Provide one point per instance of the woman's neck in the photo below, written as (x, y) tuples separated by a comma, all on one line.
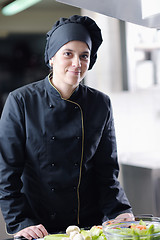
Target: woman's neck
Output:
[(64, 89)]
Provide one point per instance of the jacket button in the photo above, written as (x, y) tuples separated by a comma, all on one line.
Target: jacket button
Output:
[(74, 188), (51, 105), (75, 211), (78, 137), (53, 164), (53, 189), (53, 215), (76, 107), (53, 137), (76, 164)]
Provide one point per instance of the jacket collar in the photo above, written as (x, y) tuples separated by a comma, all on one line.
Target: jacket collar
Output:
[(55, 92)]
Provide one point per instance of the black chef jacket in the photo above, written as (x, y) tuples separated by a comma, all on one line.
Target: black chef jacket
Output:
[(58, 159)]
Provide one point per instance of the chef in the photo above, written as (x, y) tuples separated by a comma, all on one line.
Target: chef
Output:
[(58, 155)]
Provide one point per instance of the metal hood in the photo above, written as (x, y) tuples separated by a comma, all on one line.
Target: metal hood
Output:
[(141, 12)]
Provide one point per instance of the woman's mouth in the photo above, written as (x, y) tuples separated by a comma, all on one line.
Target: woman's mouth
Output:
[(74, 72)]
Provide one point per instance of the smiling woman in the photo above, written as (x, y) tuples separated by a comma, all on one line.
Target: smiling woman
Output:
[(58, 153), (70, 65)]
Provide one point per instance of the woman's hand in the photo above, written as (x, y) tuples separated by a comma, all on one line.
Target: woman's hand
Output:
[(37, 231)]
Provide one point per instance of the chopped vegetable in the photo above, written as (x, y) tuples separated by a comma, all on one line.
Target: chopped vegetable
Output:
[(86, 234), (140, 227), (71, 229), (56, 237)]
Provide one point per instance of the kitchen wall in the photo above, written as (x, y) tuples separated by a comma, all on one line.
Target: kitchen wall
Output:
[(136, 111), (137, 120)]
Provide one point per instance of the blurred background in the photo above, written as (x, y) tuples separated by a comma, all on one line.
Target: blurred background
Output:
[(127, 69)]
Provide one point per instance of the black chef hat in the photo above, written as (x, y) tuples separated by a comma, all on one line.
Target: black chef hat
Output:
[(76, 27)]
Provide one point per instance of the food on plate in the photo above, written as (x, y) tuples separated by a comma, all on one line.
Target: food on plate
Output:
[(137, 230), (75, 233)]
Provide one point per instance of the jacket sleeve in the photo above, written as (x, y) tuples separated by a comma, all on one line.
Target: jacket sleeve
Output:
[(14, 206), (113, 200)]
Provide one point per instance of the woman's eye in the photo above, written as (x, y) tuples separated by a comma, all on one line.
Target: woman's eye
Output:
[(67, 54), (85, 56)]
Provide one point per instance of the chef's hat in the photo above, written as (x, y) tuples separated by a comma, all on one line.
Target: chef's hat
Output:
[(80, 28)]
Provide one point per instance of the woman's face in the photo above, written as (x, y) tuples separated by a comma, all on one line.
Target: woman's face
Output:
[(70, 64)]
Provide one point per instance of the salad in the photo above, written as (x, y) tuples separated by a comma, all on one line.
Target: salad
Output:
[(132, 230)]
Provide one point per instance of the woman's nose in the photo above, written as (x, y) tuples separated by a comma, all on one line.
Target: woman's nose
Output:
[(76, 62)]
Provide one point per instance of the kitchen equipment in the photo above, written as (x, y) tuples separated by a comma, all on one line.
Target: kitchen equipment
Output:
[(141, 12)]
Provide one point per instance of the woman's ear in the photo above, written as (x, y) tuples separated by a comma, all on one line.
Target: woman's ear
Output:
[(51, 62)]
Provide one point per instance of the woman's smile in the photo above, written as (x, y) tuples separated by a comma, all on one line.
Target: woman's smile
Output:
[(74, 72)]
